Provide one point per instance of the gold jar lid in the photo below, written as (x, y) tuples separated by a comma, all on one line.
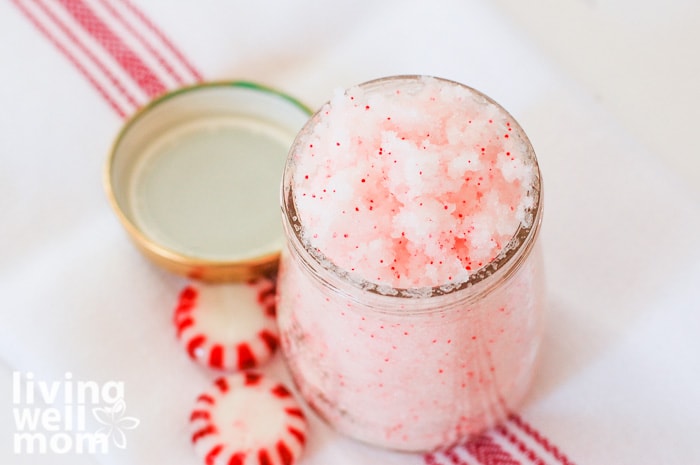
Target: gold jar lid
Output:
[(194, 178)]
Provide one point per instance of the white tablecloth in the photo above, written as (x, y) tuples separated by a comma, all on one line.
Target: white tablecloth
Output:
[(607, 93)]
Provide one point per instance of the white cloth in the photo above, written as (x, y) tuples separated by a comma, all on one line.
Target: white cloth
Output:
[(619, 381)]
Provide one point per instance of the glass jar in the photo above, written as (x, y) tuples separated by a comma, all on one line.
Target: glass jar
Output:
[(409, 368)]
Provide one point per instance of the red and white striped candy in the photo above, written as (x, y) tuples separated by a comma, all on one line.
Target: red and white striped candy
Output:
[(228, 326), (247, 419)]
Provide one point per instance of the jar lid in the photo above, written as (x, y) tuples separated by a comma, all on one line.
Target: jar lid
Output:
[(194, 178)]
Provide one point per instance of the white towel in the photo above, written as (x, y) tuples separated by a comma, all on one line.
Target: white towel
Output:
[(619, 381)]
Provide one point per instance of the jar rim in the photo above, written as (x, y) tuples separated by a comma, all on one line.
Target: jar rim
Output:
[(508, 260)]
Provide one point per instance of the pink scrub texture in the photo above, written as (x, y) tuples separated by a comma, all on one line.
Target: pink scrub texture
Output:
[(410, 288)]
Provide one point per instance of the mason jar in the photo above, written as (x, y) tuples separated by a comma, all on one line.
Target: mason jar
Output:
[(422, 357)]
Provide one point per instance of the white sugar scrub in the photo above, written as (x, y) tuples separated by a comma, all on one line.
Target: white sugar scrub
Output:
[(410, 288), (412, 187)]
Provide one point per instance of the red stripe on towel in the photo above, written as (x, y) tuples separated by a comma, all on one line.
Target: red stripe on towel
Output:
[(149, 24), (514, 442), (540, 439), (139, 37), (127, 59), (94, 53), (61, 48)]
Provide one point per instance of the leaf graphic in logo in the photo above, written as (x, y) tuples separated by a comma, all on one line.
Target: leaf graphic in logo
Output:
[(114, 421)]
